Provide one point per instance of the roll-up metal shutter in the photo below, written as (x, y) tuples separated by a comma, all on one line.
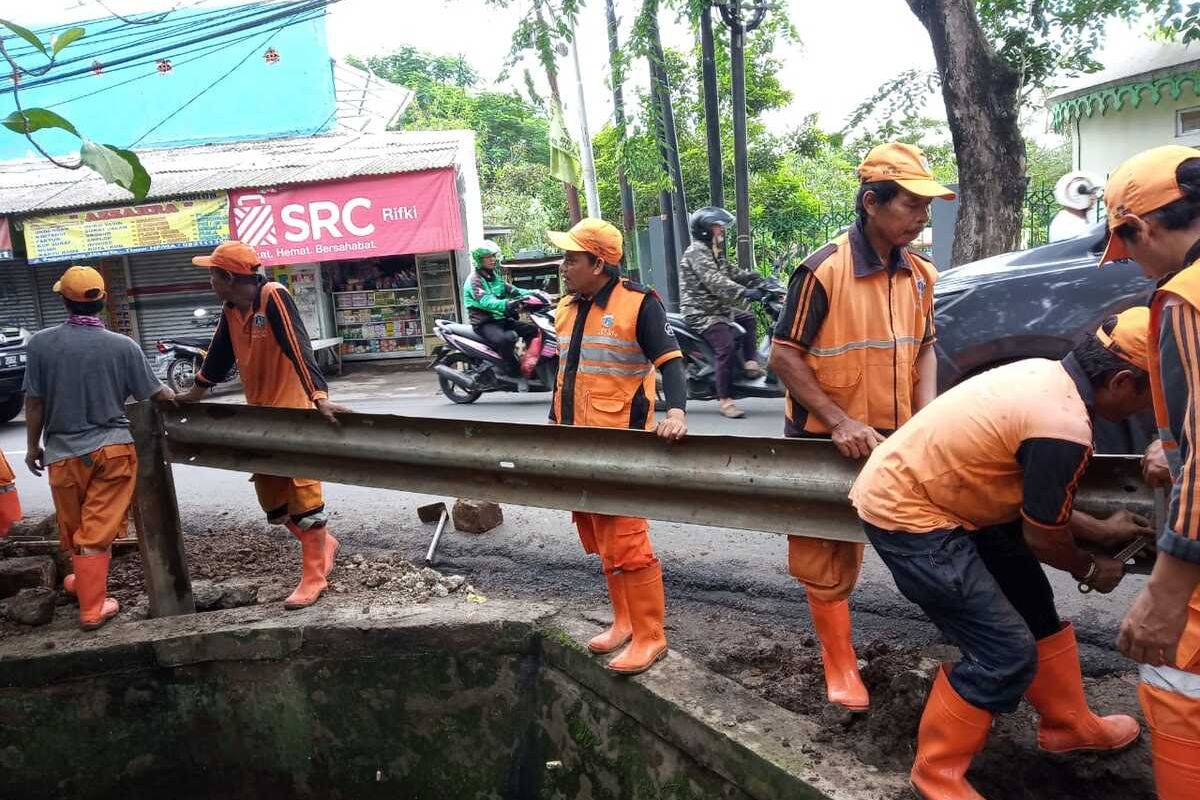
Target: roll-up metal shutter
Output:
[(165, 289), (45, 276), (17, 305)]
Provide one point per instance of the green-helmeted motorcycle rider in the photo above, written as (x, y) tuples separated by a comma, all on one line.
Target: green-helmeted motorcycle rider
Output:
[(493, 305)]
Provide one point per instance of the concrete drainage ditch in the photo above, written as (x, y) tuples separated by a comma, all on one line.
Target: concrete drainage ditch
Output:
[(451, 700)]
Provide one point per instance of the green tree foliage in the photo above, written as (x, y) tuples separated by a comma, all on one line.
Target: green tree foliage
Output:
[(511, 138), (116, 165)]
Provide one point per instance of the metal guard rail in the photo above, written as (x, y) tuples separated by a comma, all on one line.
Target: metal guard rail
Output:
[(786, 486)]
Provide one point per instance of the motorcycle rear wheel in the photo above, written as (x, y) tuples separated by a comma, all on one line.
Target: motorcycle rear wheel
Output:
[(181, 375), (456, 393)]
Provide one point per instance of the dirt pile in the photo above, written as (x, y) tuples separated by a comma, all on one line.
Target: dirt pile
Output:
[(791, 675)]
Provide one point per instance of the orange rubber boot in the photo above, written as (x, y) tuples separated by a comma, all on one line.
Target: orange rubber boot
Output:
[(647, 607), (69, 584), (312, 577), (331, 545), (843, 684), (952, 731), (621, 630), (1067, 724), (91, 586), (1176, 767)]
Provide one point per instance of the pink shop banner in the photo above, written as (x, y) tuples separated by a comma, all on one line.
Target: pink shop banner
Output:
[(416, 212)]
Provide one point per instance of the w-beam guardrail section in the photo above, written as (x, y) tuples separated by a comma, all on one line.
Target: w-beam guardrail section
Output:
[(775, 485)]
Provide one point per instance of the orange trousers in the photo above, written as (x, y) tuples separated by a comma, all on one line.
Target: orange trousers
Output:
[(623, 543), (829, 570), (10, 504), (92, 494), (1170, 700), (297, 499)]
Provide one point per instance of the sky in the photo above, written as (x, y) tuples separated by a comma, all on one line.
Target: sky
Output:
[(823, 71)]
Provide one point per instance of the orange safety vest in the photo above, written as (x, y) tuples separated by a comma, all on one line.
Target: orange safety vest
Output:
[(268, 375), (1185, 287), (612, 386), (865, 354)]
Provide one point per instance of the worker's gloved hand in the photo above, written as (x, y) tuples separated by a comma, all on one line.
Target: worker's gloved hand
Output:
[(513, 307), (752, 294), (854, 439), (1155, 471)]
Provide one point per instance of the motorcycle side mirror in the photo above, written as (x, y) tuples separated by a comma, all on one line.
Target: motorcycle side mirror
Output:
[(200, 313)]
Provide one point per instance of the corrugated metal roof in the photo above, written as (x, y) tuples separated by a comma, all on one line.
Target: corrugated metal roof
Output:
[(34, 185)]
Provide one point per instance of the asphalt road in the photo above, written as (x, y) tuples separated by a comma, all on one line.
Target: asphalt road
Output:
[(536, 554)]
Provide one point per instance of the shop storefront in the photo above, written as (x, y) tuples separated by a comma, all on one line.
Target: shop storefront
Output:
[(387, 248)]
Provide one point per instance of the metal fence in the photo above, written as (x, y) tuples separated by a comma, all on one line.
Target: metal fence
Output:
[(780, 237)]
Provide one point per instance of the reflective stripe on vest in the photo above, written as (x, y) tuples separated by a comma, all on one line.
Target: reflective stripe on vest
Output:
[(865, 354), (612, 382)]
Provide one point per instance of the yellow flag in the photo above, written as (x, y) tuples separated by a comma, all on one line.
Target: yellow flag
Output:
[(564, 158)]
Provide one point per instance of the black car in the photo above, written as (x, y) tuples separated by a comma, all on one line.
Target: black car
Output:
[(12, 369), (1035, 304)]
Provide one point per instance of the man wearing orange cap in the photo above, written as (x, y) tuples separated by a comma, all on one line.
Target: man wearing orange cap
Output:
[(1153, 207), (77, 380), (964, 500), (612, 334), (261, 331), (854, 349)]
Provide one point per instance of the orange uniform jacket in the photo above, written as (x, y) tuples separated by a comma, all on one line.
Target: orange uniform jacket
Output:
[(1008, 443), (1175, 379), (860, 325), (609, 346), (272, 351)]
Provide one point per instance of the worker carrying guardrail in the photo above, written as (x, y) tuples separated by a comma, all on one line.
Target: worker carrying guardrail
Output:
[(78, 378), (854, 349), (1153, 207), (612, 334), (262, 332), (964, 501)]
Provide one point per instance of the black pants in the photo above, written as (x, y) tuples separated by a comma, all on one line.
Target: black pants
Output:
[(725, 344), (495, 333), (987, 593)]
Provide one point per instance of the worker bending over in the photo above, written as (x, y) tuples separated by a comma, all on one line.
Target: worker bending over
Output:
[(963, 502)]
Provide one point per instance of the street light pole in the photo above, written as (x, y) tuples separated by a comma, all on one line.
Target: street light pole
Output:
[(585, 139), (712, 121), (628, 223), (740, 23)]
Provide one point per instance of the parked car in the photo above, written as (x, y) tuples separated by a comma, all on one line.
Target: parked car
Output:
[(1036, 304), (12, 369)]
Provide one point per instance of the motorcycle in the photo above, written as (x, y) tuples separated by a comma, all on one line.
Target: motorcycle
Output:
[(700, 361), (183, 355), (467, 367)]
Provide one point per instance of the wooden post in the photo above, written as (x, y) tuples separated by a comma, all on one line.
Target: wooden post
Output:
[(156, 515)]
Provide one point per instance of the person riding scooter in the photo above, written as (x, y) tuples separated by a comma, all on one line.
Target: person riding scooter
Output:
[(709, 294), (493, 305)]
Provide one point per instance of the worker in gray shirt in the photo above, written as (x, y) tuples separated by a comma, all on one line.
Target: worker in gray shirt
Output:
[(78, 378)]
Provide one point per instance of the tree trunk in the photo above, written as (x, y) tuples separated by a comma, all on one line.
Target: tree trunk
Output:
[(981, 93)]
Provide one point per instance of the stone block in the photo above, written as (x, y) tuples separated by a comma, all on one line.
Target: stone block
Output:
[(237, 592), (31, 606), (29, 572), (476, 516)]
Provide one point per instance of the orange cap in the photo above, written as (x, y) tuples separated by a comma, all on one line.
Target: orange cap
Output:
[(80, 285), (1142, 184), (591, 235), (1130, 336), (906, 165), (235, 257)]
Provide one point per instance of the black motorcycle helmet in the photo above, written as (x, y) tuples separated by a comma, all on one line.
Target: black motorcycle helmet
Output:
[(703, 219)]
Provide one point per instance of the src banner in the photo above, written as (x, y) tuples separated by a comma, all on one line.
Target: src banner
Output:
[(415, 212)]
